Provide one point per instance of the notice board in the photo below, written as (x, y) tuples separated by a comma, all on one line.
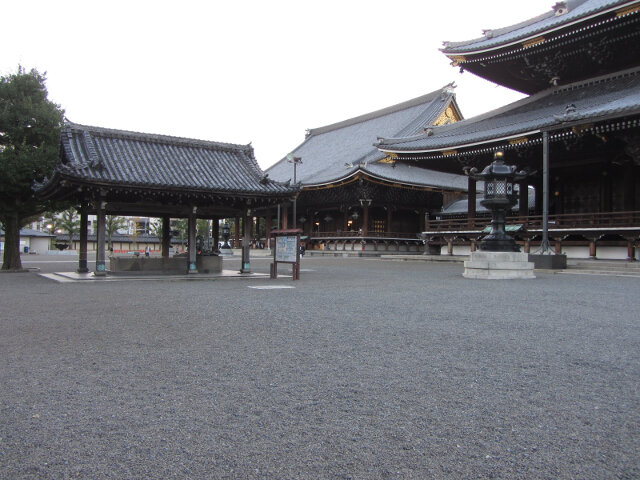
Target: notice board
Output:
[(286, 249)]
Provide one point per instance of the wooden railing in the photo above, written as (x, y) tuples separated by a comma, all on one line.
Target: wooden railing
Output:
[(570, 221), (412, 236)]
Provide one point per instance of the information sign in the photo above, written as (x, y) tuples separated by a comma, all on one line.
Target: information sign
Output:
[(286, 249)]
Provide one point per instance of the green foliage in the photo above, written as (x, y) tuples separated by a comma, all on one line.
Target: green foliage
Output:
[(69, 222), (52, 222), (29, 141), (203, 227), (155, 227), (181, 229), (113, 223)]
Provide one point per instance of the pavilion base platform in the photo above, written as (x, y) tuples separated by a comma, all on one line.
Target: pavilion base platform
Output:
[(498, 266), (178, 265), (70, 277)]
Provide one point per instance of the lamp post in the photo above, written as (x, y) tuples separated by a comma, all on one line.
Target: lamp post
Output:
[(295, 160), (499, 197)]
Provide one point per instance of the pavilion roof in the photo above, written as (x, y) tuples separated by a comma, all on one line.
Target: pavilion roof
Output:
[(108, 158), (573, 12), (603, 98), (332, 152)]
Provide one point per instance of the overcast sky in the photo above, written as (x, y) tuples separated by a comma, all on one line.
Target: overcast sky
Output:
[(259, 71)]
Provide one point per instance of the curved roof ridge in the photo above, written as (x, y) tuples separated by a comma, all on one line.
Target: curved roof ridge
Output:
[(155, 138), (467, 121), (578, 10), (424, 119), (378, 113), (496, 32), (604, 96)]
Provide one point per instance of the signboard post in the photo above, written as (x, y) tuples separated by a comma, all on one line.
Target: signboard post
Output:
[(286, 250)]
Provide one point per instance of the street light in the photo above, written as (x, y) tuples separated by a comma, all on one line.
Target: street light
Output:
[(295, 160)]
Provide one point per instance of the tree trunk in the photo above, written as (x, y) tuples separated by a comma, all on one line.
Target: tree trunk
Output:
[(11, 259)]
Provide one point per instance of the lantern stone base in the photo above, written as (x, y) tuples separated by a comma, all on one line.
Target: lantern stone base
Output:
[(498, 266)]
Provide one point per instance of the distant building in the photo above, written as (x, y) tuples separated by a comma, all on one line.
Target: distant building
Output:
[(31, 241)]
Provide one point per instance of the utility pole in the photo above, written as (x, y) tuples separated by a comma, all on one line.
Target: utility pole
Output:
[(295, 160)]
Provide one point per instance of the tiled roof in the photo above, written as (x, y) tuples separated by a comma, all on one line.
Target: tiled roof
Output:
[(115, 157), (578, 10), (29, 232), (614, 95), (407, 174), (331, 152)]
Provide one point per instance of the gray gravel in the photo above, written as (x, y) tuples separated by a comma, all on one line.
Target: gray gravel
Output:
[(368, 369)]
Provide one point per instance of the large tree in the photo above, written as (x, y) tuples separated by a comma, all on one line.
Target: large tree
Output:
[(29, 141)]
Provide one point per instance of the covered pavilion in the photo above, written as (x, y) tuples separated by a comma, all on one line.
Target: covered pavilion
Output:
[(116, 172)]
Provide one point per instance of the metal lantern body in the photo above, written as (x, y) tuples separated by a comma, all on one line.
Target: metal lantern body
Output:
[(499, 197), (226, 230)]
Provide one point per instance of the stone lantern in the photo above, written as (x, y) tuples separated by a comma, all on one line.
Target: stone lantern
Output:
[(226, 248), (499, 197), (499, 258)]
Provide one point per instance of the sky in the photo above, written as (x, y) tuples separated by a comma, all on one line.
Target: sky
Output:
[(248, 71)]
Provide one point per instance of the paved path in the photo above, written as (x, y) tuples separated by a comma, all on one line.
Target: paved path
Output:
[(366, 369)]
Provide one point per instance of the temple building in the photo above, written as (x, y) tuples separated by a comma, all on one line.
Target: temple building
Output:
[(353, 197), (579, 130)]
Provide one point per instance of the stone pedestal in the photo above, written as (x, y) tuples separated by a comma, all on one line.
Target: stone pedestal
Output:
[(498, 266), (177, 265), (555, 262)]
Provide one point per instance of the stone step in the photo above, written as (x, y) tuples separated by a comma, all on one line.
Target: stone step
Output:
[(604, 265), (618, 273)]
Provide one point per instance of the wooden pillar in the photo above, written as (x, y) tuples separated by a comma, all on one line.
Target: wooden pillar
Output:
[(236, 234), (191, 248), (389, 217), (215, 233), (631, 251), (527, 245), (449, 246), (592, 248), (83, 266), (308, 226), (471, 202), (423, 220), (285, 216), (629, 187), (365, 219), (246, 243), (523, 200), (606, 190), (558, 246), (166, 236), (267, 228), (101, 269)]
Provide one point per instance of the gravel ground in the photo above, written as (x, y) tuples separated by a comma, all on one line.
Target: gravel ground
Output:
[(367, 369)]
